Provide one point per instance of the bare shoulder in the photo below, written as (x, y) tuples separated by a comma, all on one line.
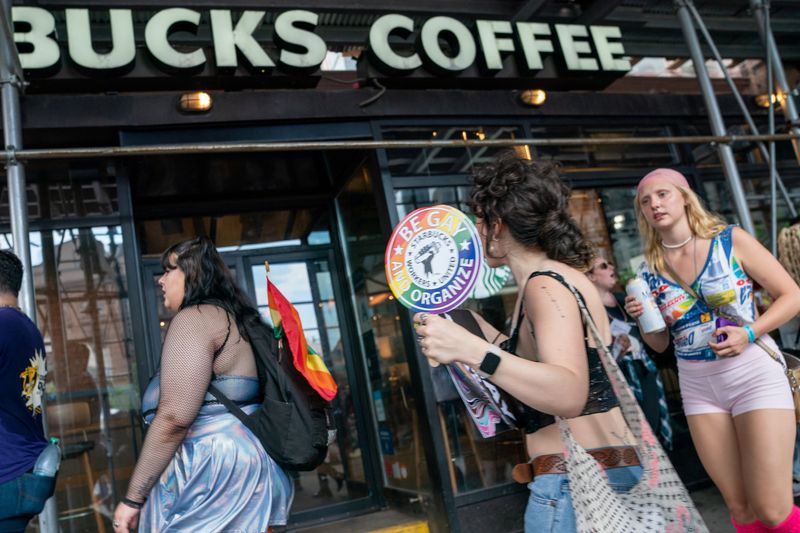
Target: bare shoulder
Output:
[(746, 246), (546, 293), (740, 237)]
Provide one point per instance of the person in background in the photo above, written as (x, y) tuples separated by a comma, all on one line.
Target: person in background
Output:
[(22, 375), (200, 468), (789, 256), (735, 396), (629, 350)]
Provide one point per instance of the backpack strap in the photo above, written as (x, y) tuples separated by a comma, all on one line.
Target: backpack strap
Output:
[(222, 346), (227, 402)]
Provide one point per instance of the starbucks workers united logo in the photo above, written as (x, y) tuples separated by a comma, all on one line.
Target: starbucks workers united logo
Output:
[(433, 259)]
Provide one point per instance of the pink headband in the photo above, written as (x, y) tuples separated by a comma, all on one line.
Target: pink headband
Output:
[(663, 175)]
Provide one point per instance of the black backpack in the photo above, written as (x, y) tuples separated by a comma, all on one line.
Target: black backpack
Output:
[(294, 423)]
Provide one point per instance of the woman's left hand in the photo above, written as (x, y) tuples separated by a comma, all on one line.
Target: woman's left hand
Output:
[(735, 344), (443, 340), (126, 518)]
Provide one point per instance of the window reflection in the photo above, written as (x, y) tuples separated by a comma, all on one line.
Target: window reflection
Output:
[(600, 157), (381, 339), (92, 391), (57, 190), (308, 286), (442, 160), (240, 232)]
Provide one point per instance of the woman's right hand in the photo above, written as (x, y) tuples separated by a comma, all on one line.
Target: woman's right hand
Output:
[(633, 307)]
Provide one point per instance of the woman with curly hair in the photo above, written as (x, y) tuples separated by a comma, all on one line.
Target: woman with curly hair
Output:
[(549, 362), (200, 469), (736, 398)]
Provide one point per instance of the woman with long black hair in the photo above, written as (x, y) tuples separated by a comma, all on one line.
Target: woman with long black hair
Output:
[(200, 469)]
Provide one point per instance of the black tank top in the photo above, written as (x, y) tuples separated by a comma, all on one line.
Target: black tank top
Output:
[(601, 396)]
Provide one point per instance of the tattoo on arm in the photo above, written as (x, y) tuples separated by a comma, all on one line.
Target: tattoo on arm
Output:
[(554, 301)]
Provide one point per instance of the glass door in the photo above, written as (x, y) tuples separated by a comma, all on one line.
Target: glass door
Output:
[(309, 283)]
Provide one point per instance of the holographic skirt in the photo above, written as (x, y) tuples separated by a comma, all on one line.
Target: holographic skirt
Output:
[(220, 479)]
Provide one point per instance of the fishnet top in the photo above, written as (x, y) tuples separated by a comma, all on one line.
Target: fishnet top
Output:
[(187, 362)]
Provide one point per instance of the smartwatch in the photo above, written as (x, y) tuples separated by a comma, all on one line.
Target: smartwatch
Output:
[(490, 361)]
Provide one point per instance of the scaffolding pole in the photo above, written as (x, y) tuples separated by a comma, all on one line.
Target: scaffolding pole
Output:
[(779, 75), (298, 146), (742, 106), (715, 116), (11, 81)]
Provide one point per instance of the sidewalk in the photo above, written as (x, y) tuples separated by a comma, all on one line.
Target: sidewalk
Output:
[(709, 503)]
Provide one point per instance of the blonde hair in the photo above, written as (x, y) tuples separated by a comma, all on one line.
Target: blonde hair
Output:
[(703, 223)]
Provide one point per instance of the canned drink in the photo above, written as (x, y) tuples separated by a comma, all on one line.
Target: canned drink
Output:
[(651, 320)]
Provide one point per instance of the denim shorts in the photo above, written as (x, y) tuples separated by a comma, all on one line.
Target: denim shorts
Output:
[(550, 508), (23, 498)]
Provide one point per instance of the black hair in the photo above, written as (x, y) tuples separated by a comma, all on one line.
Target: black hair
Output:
[(10, 273), (208, 279), (532, 200)]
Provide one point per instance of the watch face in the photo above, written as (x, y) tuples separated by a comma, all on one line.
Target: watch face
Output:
[(490, 363)]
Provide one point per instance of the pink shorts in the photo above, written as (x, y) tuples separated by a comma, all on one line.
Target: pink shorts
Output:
[(749, 381)]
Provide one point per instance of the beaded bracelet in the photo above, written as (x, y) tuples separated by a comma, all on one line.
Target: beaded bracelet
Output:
[(131, 503), (751, 335)]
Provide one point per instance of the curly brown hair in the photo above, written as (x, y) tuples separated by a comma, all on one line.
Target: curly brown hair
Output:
[(532, 200)]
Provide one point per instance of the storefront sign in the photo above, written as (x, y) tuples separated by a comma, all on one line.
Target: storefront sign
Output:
[(433, 259), (440, 45)]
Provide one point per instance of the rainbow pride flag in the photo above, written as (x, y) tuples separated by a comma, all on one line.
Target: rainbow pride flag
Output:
[(286, 320)]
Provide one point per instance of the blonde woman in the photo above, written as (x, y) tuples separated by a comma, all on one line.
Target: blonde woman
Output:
[(735, 396)]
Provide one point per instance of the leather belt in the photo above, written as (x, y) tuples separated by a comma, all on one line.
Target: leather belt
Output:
[(554, 463)]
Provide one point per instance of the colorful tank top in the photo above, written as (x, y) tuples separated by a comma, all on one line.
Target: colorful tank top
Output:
[(722, 283)]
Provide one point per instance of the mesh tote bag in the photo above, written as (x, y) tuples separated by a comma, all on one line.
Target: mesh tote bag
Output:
[(658, 503)]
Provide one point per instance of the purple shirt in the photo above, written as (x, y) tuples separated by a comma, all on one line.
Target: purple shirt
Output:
[(22, 372)]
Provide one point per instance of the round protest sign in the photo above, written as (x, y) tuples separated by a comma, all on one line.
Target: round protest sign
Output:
[(433, 259)]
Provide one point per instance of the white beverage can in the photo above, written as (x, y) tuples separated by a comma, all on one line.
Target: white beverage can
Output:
[(651, 320)]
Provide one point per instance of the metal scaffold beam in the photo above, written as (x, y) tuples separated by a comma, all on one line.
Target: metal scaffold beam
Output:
[(714, 116), (742, 106), (250, 147), (12, 83), (759, 8)]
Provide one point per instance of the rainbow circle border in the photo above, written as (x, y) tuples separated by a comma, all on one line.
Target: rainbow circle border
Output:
[(450, 229)]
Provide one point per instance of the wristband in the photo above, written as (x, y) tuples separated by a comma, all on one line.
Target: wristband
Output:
[(131, 503), (751, 335)]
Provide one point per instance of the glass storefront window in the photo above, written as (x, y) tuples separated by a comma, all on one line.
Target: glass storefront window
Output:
[(242, 231), (224, 177), (57, 191), (411, 199), (438, 161), (602, 157), (721, 201), (92, 388), (378, 320), (623, 230)]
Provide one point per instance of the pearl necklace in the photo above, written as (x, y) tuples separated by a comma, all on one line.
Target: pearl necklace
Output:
[(679, 245)]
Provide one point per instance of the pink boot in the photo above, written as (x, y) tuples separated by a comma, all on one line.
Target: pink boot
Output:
[(752, 527), (790, 525)]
